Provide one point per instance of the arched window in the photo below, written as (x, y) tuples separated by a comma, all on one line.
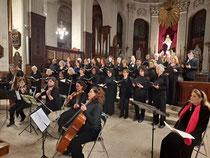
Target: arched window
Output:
[(97, 24), (140, 38), (197, 33), (65, 16), (119, 30)]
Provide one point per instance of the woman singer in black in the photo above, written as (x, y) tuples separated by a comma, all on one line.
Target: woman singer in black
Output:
[(193, 119), (35, 80), (140, 93), (92, 126), (110, 88)]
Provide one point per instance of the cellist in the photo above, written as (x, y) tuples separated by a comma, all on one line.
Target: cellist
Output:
[(74, 101), (92, 126)]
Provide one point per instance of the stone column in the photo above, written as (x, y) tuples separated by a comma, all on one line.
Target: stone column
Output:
[(4, 61), (206, 49), (77, 23), (18, 24), (131, 7), (88, 22), (154, 28)]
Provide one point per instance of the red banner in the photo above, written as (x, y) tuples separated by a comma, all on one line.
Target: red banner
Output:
[(163, 32)]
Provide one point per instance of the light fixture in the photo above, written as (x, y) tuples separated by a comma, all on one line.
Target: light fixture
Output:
[(61, 31)]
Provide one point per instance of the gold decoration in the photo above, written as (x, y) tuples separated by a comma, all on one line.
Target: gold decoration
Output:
[(169, 13)]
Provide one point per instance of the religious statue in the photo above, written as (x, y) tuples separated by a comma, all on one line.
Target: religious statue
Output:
[(17, 59), (168, 42), (138, 53), (197, 53)]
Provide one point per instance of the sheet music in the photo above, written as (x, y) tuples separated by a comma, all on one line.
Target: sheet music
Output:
[(40, 124), (18, 95), (181, 133), (63, 80), (41, 119)]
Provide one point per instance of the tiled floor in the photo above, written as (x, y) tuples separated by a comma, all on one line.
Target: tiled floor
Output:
[(123, 139)]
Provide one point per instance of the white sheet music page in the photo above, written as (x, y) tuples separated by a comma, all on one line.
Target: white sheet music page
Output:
[(18, 95), (40, 124), (181, 133), (43, 117)]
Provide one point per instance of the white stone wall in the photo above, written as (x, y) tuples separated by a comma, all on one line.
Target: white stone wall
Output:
[(51, 24), (4, 61)]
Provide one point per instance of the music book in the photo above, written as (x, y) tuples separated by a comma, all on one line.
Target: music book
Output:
[(181, 133), (29, 99), (63, 80), (40, 119), (101, 85), (88, 79), (117, 81)]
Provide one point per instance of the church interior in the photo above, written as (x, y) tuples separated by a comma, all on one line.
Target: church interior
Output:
[(39, 34)]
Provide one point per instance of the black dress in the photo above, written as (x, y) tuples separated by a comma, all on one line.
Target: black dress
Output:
[(88, 132), (173, 79), (67, 115), (110, 96), (140, 94), (34, 83), (159, 97), (125, 94), (54, 104), (173, 145)]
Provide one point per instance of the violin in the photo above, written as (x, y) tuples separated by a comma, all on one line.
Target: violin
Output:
[(74, 94)]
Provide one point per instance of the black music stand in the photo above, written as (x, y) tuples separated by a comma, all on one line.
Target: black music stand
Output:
[(32, 101), (42, 122), (154, 110), (6, 94)]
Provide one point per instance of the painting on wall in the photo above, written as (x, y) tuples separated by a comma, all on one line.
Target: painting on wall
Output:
[(1, 51)]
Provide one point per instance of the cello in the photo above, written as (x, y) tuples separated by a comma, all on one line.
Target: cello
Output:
[(72, 130)]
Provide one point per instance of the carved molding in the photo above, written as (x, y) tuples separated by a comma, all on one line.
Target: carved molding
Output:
[(183, 6), (198, 3), (154, 10), (141, 12), (131, 7)]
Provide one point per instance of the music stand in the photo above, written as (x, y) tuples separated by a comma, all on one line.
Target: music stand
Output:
[(154, 110), (42, 122), (32, 101), (6, 94)]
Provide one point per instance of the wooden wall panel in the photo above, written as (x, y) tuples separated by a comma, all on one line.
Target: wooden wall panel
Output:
[(87, 45), (185, 88), (37, 44)]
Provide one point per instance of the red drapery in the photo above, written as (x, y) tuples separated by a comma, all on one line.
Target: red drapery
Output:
[(163, 32)]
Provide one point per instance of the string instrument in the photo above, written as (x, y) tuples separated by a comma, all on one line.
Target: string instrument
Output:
[(72, 130), (12, 101), (74, 94)]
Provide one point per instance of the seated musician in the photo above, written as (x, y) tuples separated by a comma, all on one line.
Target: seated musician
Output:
[(14, 72), (19, 104), (74, 101), (92, 126), (36, 79), (193, 119), (53, 102)]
